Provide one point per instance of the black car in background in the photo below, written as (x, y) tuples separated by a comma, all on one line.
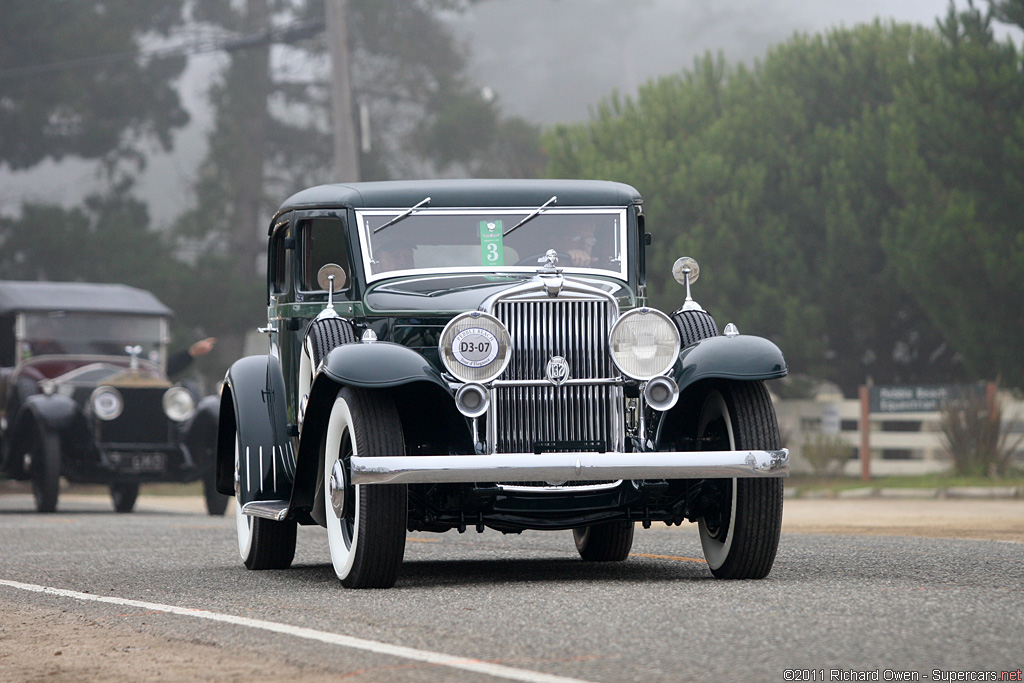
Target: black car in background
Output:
[(84, 394)]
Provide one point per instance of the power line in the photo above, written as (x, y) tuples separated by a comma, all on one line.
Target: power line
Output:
[(289, 33)]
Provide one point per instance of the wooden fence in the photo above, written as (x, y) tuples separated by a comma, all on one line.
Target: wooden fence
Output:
[(899, 442)]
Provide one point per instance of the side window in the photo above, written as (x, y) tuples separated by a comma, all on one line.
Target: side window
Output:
[(323, 241), (8, 355), (279, 263)]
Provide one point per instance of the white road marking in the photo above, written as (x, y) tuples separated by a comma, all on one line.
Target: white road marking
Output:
[(435, 658)]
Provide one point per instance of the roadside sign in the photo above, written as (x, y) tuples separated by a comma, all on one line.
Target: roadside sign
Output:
[(920, 398)]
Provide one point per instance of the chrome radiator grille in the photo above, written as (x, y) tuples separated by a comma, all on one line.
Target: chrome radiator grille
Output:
[(530, 414)]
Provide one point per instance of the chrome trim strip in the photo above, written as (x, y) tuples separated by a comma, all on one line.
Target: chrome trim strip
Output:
[(275, 510), (614, 381), (559, 488), (511, 467)]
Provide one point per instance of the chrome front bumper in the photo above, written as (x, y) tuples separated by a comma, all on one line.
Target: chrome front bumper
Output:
[(561, 467)]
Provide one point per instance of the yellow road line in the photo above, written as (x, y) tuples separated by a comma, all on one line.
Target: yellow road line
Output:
[(669, 557)]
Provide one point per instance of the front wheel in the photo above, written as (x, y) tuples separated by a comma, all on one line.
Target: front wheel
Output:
[(739, 530), (44, 467), (262, 543), (365, 524), (608, 542)]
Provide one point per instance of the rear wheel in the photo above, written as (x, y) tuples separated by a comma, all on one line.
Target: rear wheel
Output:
[(739, 529), (124, 495), (262, 543), (365, 524), (608, 542), (43, 454), (216, 502)]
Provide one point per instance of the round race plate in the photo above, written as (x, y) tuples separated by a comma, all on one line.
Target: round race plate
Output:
[(475, 347)]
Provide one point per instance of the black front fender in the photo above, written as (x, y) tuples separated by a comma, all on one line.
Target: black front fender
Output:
[(253, 406), (54, 412), (379, 365), (742, 357)]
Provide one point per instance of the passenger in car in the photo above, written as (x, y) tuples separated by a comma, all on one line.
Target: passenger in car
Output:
[(393, 255)]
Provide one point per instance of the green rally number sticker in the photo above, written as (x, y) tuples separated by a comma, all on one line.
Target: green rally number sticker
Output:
[(492, 249)]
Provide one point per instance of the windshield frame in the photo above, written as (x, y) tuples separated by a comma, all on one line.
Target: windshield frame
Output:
[(157, 346), (368, 221)]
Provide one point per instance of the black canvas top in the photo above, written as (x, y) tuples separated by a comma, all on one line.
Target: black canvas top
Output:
[(78, 296), (472, 193)]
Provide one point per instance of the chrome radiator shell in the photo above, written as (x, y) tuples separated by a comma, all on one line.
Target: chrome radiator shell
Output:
[(531, 412)]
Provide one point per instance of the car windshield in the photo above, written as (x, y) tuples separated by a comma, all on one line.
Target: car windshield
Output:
[(489, 241), (61, 333)]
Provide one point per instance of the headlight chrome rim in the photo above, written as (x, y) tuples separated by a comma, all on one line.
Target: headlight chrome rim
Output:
[(106, 403), (475, 347), (178, 404), (644, 343)]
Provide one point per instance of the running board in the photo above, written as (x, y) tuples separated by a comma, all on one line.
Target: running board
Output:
[(275, 510)]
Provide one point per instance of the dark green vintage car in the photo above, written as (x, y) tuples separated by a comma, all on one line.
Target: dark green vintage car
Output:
[(479, 353)]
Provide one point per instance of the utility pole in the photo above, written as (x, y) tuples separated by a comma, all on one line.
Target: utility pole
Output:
[(346, 154)]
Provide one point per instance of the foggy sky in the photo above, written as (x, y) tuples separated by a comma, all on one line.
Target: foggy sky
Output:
[(551, 61), (547, 61)]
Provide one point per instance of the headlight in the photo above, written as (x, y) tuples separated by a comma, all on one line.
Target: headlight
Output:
[(179, 404), (644, 343), (106, 403), (475, 347)]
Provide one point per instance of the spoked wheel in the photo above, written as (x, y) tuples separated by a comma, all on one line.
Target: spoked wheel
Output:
[(124, 495), (262, 543), (608, 542), (365, 524), (742, 519), (44, 456)]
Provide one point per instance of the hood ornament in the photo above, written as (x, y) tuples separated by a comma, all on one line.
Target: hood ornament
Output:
[(133, 353), (550, 261), (550, 273)]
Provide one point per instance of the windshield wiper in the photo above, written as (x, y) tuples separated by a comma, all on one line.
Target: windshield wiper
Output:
[(402, 215), (536, 212)]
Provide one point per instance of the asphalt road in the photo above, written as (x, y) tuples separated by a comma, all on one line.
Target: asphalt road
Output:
[(160, 594)]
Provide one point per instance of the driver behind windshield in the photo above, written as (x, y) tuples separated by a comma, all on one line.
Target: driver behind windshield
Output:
[(393, 255)]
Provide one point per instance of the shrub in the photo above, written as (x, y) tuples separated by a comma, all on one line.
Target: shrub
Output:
[(827, 453), (974, 436)]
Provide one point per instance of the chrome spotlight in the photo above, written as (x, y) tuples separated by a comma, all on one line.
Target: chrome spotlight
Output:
[(472, 399), (661, 393)]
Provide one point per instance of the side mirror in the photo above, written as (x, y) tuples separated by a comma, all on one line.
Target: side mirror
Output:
[(686, 271), (331, 278)]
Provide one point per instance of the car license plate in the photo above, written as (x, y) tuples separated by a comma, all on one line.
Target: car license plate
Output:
[(141, 462)]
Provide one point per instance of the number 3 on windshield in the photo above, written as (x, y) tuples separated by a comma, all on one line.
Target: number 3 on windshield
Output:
[(491, 244)]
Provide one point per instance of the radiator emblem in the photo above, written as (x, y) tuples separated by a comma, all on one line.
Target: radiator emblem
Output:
[(557, 370)]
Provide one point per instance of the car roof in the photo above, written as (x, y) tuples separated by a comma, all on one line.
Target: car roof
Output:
[(470, 193), (79, 297)]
